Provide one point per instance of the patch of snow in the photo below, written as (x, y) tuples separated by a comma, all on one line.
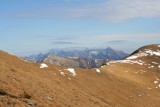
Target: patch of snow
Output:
[(149, 51), (155, 82), (71, 70), (154, 62), (132, 57), (11, 54), (112, 62), (132, 62), (145, 53), (127, 61), (140, 71), (69, 78), (141, 54), (43, 65), (152, 52), (97, 70), (157, 53), (159, 66), (152, 66), (60, 70), (108, 64), (62, 73), (149, 88)]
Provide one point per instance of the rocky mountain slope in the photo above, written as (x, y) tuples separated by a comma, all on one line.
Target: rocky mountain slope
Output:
[(132, 82), (106, 53), (85, 58), (74, 62)]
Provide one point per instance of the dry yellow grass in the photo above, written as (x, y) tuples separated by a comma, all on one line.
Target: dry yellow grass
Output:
[(117, 85)]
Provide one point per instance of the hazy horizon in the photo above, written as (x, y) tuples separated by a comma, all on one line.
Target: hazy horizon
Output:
[(27, 53), (36, 26)]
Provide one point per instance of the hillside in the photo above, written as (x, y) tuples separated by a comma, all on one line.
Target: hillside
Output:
[(132, 82)]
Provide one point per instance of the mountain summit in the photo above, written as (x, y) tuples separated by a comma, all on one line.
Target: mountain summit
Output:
[(83, 58), (106, 53)]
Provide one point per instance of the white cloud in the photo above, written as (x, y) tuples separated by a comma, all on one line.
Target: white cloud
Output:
[(110, 10), (112, 37), (119, 10)]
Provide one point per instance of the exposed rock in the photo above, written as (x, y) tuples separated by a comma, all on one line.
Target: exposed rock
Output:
[(2, 92), (74, 62), (31, 103), (85, 58)]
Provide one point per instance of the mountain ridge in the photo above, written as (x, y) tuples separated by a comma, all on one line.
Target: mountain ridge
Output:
[(83, 58)]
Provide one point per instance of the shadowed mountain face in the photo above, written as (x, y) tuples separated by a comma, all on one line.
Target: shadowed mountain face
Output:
[(74, 62), (86, 58), (107, 53), (131, 82)]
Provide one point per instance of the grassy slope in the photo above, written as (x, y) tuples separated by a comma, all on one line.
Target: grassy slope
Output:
[(118, 85)]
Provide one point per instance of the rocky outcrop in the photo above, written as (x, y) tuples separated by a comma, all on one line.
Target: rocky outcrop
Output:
[(74, 62)]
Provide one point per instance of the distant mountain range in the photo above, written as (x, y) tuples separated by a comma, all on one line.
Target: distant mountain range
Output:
[(84, 58)]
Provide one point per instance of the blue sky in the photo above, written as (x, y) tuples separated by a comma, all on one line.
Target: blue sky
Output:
[(33, 26)]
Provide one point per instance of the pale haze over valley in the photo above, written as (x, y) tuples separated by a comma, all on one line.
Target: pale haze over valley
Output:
[(29, 26)]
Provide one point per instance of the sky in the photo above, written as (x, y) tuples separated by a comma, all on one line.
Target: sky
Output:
[(33, 26)]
